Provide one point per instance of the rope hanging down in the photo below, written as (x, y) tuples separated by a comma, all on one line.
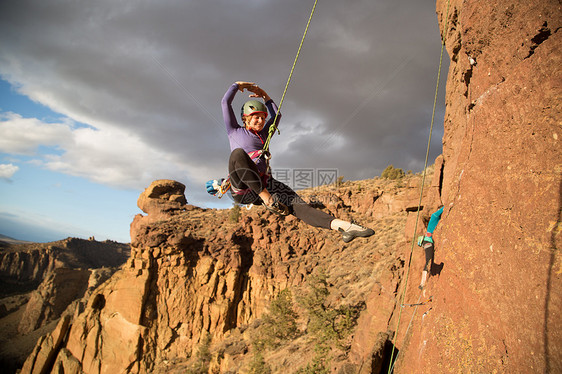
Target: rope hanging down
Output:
[(391, 368), (225, 186), (274, 126)]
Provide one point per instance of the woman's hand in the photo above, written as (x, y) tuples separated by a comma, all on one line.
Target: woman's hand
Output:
[(259, 92), (245, 85), (256, 90)]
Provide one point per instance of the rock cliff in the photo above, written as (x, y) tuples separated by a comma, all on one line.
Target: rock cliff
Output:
[(40, 280), (24, 266), (496, 306), (197, 274)]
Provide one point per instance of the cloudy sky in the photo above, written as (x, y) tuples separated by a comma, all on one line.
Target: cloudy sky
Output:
[(100, 98)]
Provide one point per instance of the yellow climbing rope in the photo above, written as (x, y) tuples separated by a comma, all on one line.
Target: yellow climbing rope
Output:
[(274, 126), (391, 367)]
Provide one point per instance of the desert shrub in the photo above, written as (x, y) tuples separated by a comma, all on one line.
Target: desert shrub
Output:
[(329, 326), (391, 173), (234, 214), (280, 323), (327, 323), (339, 181), (202, 357), (258, 364), (277, 326), (317, 366)]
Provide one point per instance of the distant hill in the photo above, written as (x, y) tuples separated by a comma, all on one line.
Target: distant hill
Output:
[(7, 239), (24, 264)]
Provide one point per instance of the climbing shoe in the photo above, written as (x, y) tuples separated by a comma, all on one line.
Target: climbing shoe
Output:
[(277, 206), (424, 239), (355, 231)]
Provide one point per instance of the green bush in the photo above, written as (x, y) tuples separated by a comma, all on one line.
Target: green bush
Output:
[(280, 323), (234, 215), (203, 357), (329, 326), (391, 173), (327, 323), (317, 366), (258, 364), (339, 181)]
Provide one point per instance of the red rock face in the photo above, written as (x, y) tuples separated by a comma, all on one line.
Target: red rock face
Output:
[(497, 302)]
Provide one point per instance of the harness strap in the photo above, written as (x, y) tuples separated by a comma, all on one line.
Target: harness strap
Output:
[(256, 154), (226, 185), (244, 191)]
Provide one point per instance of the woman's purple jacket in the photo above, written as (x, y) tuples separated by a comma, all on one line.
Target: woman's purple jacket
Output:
[(238, 136)]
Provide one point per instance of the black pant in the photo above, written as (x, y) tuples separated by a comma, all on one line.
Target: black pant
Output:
[(244, 175)]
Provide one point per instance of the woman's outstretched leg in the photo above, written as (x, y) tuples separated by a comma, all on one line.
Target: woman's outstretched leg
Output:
[(315, 217)]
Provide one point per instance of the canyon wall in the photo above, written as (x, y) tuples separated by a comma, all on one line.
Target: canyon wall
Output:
[(196, 274), (38, 281), (497, 304), (24, 266)]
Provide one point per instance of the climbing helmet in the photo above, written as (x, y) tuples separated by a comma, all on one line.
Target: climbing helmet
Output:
[(252, 107)]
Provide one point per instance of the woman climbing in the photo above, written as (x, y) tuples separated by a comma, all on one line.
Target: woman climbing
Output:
[(250, 178)]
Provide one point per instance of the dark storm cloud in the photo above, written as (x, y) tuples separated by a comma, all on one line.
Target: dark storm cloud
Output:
[(360, 97)]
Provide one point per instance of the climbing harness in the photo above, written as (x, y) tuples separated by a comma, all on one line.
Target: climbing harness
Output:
[(264, 152), (226, 185), (392, 358)]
